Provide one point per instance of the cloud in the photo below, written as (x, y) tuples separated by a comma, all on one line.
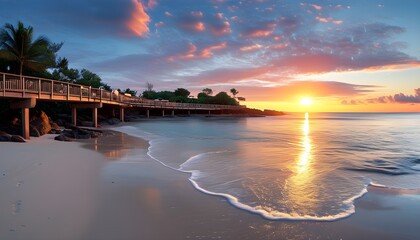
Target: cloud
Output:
[(194, 53), (251, 47), (261, 29), (138, 23), (398, 98), (296, 89), (219, 25), (191, 22)]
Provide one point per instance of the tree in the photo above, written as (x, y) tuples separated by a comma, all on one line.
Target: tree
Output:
[(64, 73), (234, 92), (182, 92), (224, 99), (129, 91), (149, 87), (16, 44), (89, 78), (207, 91)]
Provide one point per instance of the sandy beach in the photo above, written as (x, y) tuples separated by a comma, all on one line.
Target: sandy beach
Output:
[(108, 188)]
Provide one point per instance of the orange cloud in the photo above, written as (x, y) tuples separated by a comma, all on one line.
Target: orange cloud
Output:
[(199, 27), (192, 52), (251, 48), (138, 23)]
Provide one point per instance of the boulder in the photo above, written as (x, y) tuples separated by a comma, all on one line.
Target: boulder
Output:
[(63, 138), (41, 123), (33, 131), (17, 138), (4, 137)]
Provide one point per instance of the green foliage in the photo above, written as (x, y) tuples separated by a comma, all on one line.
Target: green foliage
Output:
[(207, 91), (18, 47), (131, 92), (224, 99), (89, 78), (221, 98), (182, 92), (149, 94)]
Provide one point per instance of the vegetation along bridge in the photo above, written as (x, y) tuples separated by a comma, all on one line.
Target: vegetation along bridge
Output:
[(27, 90)]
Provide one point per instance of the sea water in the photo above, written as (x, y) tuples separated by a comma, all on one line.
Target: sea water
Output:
[(302, 166)]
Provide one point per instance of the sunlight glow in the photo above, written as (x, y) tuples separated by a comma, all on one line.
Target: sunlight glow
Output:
[(306, 101)]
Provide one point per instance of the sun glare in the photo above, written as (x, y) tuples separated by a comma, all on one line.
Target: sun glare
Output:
[(306, 101)]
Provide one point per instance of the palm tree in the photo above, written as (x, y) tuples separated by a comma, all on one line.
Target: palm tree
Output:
[(16, 45), (234, 92)]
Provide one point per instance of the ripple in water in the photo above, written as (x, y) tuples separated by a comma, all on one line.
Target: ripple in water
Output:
[(291, 167)]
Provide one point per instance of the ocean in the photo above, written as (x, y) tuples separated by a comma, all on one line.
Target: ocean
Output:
[(301, 166)]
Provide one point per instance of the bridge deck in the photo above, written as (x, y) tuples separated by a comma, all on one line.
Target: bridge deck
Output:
[(13, 86)]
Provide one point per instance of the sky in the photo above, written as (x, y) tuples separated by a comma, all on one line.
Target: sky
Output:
[(349, 55)]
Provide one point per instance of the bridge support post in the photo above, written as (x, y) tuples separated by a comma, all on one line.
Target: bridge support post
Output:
[(113, 112), (209, 113), (163, 113), (94, 107), (74, 115), (148, 113), (24, 105), (121, 114), (95, 117), (25, 123), (189, 113), (173, 113)]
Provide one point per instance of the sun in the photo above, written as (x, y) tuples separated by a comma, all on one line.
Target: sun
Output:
[(306, 101)]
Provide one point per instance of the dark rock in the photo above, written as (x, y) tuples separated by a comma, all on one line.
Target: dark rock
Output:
[(54, 126), (63, 138), (17, 138), (113, 121), (33, 131), (5, 137)]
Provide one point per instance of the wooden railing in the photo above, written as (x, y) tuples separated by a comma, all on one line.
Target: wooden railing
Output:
[(16, 86)]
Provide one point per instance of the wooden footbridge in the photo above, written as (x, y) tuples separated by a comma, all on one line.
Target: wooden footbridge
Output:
[(25, 91)]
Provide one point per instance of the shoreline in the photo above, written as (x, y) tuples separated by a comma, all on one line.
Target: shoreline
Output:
[(131, 196)]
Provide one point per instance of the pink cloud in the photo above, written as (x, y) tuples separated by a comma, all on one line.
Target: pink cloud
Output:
[(151, 4), (324, 20), (138, 23), (317, 7)]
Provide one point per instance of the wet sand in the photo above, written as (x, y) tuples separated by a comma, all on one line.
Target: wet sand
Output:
[(108, 188)]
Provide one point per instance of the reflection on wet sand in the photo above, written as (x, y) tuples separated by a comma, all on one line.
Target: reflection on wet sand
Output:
[(115, 145)]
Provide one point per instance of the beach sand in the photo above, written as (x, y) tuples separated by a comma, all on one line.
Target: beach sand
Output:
[(108, 188)]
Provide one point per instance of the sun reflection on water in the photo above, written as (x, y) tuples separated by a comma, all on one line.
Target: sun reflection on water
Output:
[(305, 156), (301, 188)]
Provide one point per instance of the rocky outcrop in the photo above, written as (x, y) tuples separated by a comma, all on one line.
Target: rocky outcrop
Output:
[(5, 137), (39, 125)]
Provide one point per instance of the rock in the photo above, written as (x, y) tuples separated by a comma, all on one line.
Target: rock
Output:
[(4, 137), (33, 131), (41, 123), (113, 121), (54, 126), (17, 138), (63, 138)]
